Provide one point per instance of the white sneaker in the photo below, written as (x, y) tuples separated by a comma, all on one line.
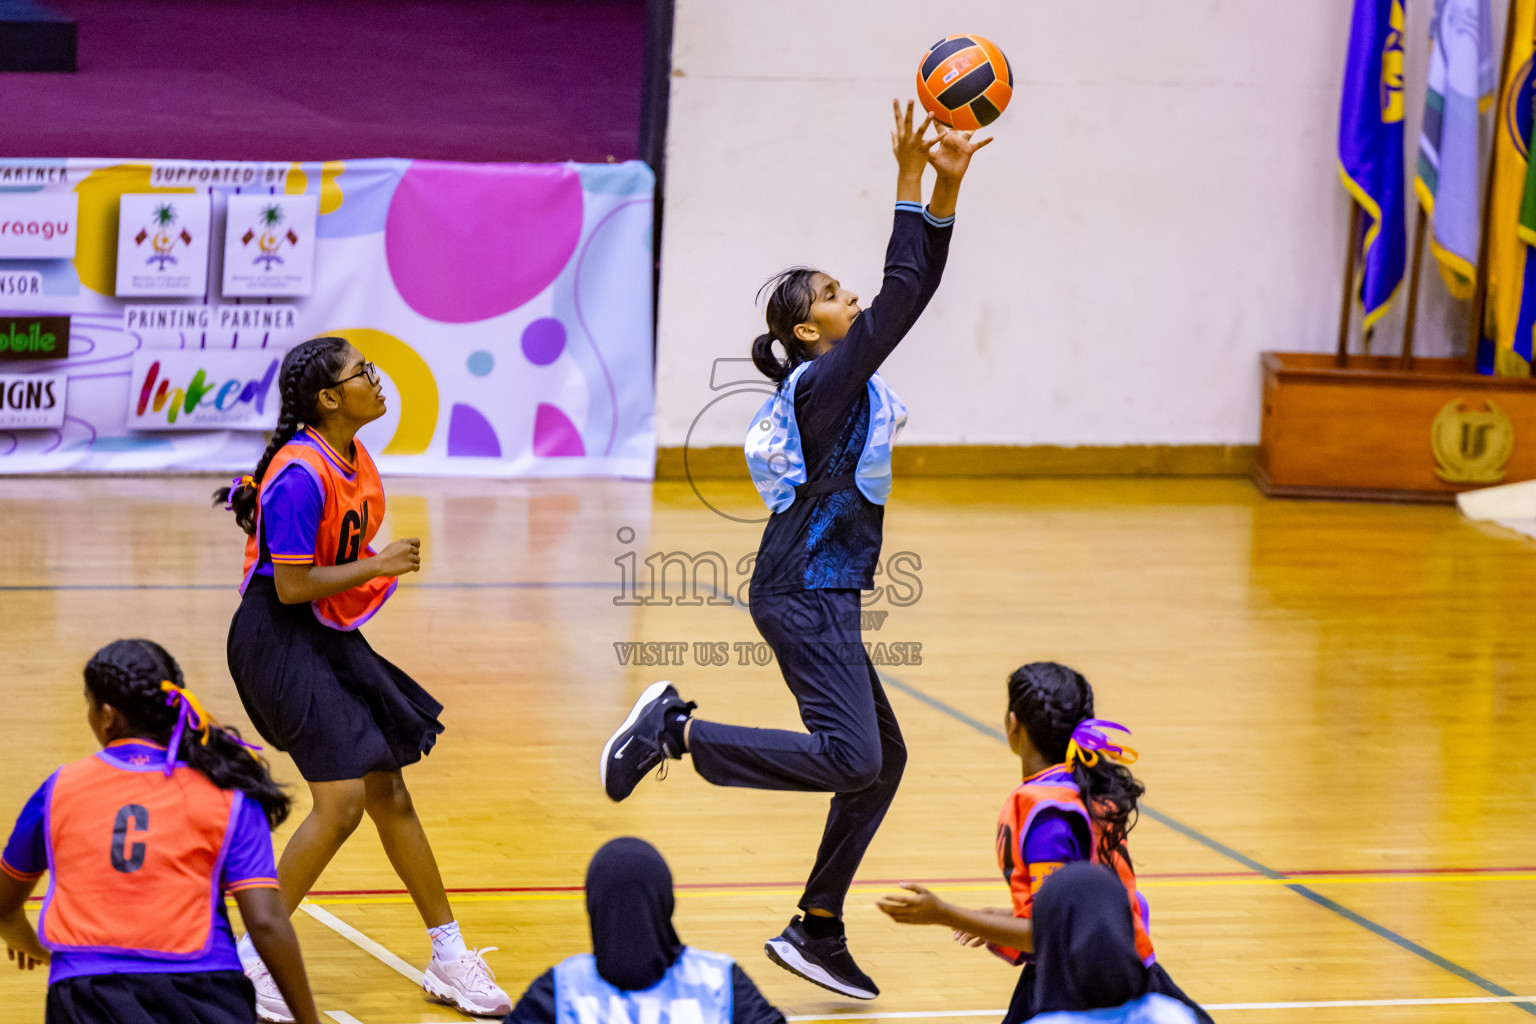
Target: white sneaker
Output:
[(468, 984), (269, 1001)]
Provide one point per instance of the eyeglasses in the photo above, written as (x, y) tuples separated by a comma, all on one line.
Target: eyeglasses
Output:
[(369, 370)]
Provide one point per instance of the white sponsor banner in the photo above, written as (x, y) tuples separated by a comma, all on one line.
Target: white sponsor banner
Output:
[(507, 307), (32, 400), (162, 244), (38, 225), (204, 389), (269, 245)]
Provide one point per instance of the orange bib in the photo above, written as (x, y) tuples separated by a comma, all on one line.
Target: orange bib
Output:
[(349, 520), (135, 858), (1013, 824)]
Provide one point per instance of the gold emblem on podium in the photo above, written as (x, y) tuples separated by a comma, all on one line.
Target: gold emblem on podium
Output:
[(1471, 446)]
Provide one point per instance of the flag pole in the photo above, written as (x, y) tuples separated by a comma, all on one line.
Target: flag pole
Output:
[(1413, 290), (1480, 297), (1341, 358)]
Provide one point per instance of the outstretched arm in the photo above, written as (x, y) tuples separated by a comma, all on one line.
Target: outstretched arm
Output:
[(951, 158), (918, 905)]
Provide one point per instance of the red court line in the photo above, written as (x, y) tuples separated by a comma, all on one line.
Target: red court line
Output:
[(1316, 873), (1148, 875)]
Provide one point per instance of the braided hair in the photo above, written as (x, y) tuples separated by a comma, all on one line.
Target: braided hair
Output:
[(127, 675), (789, 304), (1049, 700), (307, 369)]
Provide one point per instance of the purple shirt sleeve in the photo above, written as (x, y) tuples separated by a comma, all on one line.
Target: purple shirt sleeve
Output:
[(1056, 837), (26, 854), (291, 506), (248, 862)]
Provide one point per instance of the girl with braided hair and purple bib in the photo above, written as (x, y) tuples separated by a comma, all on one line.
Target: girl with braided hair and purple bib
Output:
[(142, 841), (1077, 803), (309, 681)]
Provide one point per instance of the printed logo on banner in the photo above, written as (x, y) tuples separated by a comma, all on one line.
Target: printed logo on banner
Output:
[(32, 401), (162, 244), (269, 245), (33, 337), (38, 225), (204, 389)]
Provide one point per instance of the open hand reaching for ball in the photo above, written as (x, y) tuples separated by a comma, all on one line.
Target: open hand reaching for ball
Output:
[(952, 154)]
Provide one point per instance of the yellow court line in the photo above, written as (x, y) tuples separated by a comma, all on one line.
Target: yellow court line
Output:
[(1150, 883)]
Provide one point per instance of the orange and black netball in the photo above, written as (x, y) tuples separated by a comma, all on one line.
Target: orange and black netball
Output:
[(965, 82)]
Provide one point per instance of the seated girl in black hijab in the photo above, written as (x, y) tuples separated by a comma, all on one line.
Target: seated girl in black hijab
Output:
[(636, 960), (1086, 959)]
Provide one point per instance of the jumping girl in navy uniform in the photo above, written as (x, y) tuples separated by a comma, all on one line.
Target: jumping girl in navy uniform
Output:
[(141, 842), (310, 682), (1077, 803), (819, 452)]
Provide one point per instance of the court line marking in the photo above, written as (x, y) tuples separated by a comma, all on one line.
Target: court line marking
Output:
[(361, 941), (562, 895), (537, 893), (493, 585), (1326, 1004), (1401, 941), (1322, 876), (342, 1017)]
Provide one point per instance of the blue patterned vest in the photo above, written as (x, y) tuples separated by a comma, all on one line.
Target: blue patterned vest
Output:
[(777, 460), (695, 990)]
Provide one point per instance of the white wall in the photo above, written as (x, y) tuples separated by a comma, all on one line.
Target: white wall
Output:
[(1161, 205)]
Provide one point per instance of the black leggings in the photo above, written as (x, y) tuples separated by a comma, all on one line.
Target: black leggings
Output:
[(852, 746)]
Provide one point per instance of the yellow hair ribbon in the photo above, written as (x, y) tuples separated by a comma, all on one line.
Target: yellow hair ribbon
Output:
[(199, 720), (1095, 744)]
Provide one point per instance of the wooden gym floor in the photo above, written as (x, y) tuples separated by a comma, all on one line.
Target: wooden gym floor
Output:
[(1333, 704)]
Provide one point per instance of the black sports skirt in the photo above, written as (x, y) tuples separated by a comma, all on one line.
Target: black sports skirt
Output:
[(207, 997), (323, 695)]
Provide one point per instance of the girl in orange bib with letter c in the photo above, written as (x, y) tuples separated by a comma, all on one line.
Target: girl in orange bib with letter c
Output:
[(142, 841), (310, 682)]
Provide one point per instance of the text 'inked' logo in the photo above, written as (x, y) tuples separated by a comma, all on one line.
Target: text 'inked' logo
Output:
[(34, 337), (1471, 446), (201, 393)]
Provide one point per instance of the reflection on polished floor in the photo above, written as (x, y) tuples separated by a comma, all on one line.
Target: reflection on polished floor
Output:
[(1333, 704)]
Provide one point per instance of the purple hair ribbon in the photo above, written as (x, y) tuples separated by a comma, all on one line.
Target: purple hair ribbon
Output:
[(1089, 743), (234, 485), (191, 714)]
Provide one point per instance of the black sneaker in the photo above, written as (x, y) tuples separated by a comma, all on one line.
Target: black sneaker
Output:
[(824, 962), (641, 743)]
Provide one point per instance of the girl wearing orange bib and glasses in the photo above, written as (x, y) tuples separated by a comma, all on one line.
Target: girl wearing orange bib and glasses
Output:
[(310, 682), (1076, 803), (141, 842)]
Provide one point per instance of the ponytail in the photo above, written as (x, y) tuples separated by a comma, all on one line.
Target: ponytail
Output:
[(144, 683), (791, 295), (1054, 704), (307, 369)]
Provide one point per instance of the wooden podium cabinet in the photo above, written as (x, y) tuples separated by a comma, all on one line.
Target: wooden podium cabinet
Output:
[(1371, 430)]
